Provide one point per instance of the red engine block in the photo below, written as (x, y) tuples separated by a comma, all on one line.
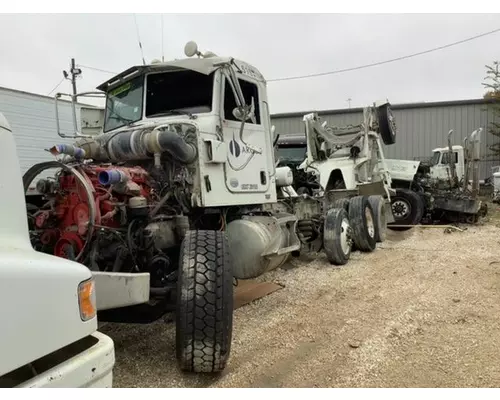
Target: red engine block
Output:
[(66, 227)]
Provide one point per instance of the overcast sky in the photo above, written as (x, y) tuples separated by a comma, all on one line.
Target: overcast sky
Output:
[(35, 49)]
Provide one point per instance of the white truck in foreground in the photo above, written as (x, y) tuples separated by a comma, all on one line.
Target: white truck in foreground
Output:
[(49, 332)]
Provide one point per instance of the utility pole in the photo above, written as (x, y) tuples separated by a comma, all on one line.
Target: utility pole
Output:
[(74, 73)]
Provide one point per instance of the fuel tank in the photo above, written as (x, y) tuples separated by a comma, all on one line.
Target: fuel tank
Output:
[(261, 243)]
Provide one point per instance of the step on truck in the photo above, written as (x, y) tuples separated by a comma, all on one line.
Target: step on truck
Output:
[(49, 334), (175, 198)]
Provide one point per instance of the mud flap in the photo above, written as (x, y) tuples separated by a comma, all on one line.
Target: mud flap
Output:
[(388, 212), (249, 290)]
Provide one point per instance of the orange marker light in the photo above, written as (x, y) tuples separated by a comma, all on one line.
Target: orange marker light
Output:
[(86, 299)]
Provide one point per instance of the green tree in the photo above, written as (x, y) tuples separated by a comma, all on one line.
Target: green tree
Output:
[(492, 85)]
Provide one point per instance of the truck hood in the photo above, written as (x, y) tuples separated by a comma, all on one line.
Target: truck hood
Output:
[(403, 170), (38, 305)]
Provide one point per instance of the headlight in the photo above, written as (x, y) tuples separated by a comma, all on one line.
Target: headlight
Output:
[(86, 299)]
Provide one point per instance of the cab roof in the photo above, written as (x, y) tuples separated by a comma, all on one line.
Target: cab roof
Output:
[(291, 139), (204, 66), (445, 149)]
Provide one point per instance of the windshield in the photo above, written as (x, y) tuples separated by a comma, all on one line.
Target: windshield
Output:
[(435, 158), (178, 92), (296, 153), (124, 104)]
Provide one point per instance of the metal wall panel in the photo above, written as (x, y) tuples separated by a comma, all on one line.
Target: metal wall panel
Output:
[(420, 128), (32, 119)]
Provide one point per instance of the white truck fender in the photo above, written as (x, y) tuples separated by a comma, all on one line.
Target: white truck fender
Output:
[(120, 289), (403, 170)]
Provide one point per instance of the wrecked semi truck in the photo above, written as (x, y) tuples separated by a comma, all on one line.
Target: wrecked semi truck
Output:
[(178, 196), (341, 174), (439, 191), (448, 186)]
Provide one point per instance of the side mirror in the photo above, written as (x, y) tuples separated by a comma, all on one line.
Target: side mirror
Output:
[(238, 113), (91, 120)]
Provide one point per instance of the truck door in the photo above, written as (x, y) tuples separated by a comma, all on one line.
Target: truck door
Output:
[(442, 169), (246, 156)]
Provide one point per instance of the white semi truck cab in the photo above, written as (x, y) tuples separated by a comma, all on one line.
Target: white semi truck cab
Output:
[(49, 332)]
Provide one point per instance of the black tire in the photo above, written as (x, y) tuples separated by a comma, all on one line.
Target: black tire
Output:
[(342, 203), (407, 208), (386, 124), (204, 317), (379, 216), (337, 240), (362, 223)]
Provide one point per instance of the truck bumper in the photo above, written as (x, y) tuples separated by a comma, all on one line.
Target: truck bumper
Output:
[(118, 289), (93, 368)]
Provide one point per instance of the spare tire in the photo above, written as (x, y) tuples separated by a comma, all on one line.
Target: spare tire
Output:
[(407, 209), (386, 124)]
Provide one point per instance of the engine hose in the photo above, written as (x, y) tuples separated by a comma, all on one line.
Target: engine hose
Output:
[(130, 241), (172, 143)]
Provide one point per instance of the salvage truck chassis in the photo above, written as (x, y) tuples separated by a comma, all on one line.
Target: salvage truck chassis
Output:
[(416, 194)]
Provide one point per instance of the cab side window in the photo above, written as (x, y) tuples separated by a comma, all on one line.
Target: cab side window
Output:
[(249, 90), (445, 159)]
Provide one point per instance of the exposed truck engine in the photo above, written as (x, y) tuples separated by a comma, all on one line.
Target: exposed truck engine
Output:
[(122, 211)]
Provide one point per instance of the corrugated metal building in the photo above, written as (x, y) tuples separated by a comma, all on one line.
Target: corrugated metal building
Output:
[(33, 122), (421, 127)]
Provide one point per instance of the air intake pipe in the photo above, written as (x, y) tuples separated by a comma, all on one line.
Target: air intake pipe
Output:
[(68, 150), (142, 144), (184, 151), (111, 177)]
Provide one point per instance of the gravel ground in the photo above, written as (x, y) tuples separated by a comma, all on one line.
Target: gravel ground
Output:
[(423, 310)]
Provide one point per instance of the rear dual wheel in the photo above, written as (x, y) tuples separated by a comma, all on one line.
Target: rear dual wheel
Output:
[(379, 216), (357, 222), (337, 236), (363, 223)]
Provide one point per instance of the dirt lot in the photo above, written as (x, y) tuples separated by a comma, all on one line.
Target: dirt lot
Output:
[(421, 311)]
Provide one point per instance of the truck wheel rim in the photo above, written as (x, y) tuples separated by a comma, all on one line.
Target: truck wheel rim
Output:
[(345, 236), (401, 209), (369, 222)]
